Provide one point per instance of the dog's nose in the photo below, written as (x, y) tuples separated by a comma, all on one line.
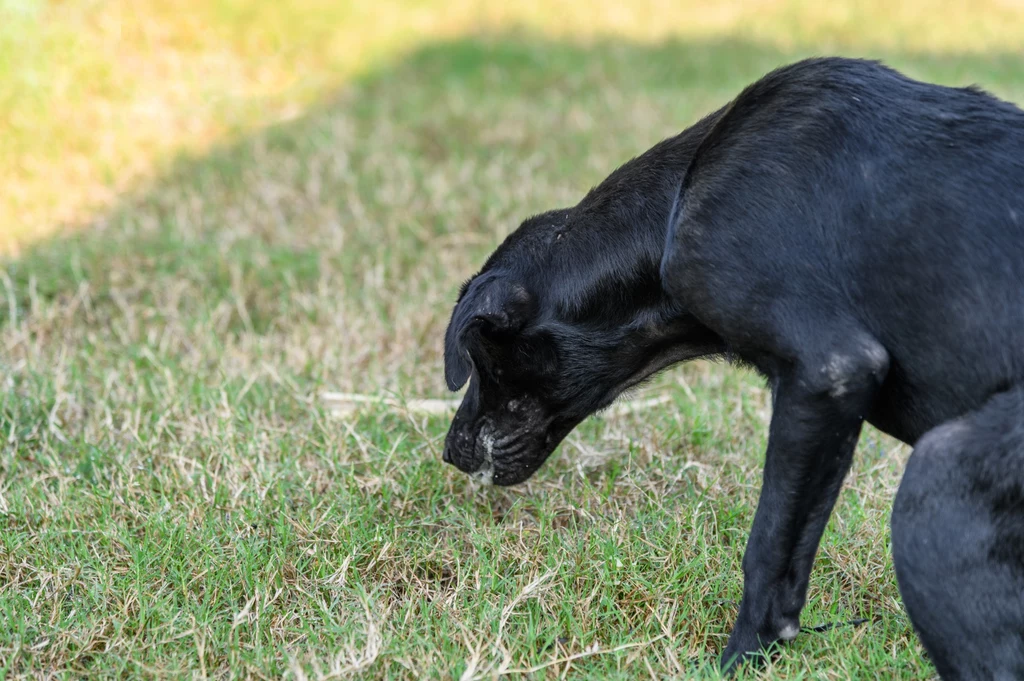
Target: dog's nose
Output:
[(446, 453)]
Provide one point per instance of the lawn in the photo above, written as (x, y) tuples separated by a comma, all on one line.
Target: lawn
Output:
[(216, 211)]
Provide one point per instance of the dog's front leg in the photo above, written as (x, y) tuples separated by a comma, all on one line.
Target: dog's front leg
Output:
[(819, 407)]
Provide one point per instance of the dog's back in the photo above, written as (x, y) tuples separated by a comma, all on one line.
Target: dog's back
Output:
[(910, 198)]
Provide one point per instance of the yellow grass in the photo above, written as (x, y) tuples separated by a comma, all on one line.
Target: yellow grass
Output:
[(96, 95)]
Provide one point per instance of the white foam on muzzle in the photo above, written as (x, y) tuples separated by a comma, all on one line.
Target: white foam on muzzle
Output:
[(485, 474)]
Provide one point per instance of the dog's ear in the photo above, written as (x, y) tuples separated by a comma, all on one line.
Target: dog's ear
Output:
[(495, 308)]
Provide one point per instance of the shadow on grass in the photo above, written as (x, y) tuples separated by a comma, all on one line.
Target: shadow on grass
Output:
[(369, 184)]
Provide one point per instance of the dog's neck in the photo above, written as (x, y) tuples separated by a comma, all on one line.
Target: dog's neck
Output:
[(613, 272), (614, 239)]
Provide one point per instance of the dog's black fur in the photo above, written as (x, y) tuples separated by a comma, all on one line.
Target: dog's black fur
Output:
[(858, 238)]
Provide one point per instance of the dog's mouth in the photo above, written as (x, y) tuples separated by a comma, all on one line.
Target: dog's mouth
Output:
[(508, 459), (505, 459)]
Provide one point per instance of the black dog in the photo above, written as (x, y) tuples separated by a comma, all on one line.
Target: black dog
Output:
[(858, 238)]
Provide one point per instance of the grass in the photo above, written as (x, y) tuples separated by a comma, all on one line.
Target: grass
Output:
[(175, 500)]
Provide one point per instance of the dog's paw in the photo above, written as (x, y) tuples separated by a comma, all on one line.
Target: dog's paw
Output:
[(788, 631), (746, 647), (742, 650)]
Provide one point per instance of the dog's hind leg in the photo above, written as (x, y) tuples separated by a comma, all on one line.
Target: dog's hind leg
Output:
[(958, 542)]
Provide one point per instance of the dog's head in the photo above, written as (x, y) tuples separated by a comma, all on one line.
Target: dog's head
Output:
[(560, 320), (510, 419)]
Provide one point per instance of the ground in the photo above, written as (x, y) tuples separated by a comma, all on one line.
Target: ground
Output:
[(215, 211)]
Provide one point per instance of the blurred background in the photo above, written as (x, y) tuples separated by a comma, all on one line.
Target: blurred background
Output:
[(213, 210)]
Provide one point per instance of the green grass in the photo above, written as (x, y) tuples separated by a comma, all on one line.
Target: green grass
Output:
[(176, 500)]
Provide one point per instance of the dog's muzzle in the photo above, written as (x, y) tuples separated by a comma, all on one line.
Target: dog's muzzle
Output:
[(479, 464)]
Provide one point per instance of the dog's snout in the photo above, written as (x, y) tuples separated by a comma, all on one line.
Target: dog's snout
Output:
[(446, 453)]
